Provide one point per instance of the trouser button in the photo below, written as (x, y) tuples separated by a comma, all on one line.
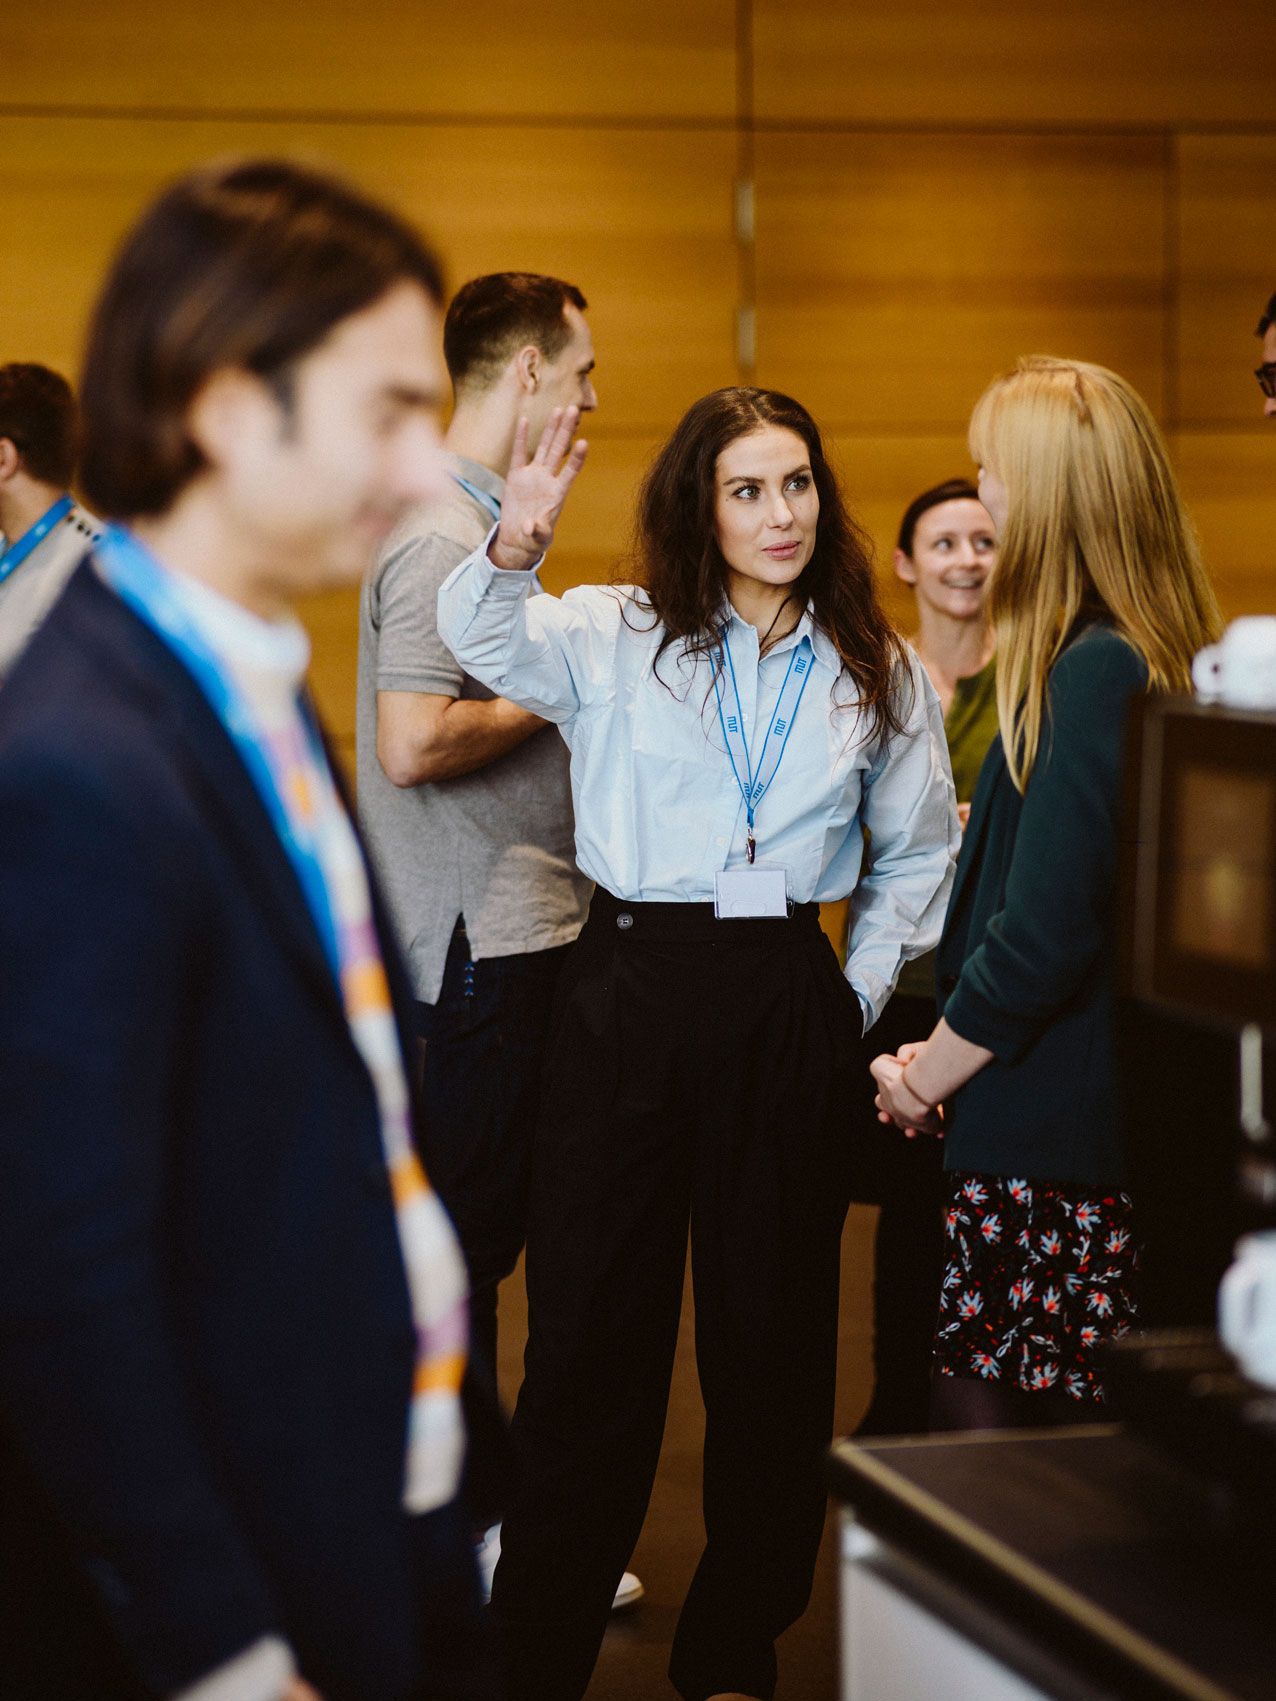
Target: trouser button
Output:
[(624, 919)]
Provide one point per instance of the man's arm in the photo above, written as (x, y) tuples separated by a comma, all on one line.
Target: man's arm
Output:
[(427, 728), (424, 736)]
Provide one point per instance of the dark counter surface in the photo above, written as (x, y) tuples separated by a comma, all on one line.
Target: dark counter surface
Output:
[(1139, 1576)]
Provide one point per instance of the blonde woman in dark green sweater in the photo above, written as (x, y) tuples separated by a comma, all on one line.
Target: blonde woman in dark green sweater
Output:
[(1099, 597)]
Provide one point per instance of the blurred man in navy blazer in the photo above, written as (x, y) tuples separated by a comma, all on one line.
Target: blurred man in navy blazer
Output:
[(231, 1312)]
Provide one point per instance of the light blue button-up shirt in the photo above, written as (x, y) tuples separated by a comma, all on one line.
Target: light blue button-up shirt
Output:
[(658, 808)]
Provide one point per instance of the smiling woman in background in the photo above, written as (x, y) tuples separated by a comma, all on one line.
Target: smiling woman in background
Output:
[(946, 551), (736, 719)]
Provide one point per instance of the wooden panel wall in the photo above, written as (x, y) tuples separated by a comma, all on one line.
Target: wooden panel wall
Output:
[(897, 271), (1020, 63), (650, 60), (939, 188)]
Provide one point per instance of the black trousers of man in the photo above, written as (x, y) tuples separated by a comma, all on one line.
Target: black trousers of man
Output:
[(697, 1079), (482, 1066)]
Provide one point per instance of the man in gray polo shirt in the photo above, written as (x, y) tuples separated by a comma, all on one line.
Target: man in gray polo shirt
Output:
[(465, 798)]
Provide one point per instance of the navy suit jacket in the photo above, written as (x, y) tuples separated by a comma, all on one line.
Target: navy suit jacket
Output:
[(206, 1345)]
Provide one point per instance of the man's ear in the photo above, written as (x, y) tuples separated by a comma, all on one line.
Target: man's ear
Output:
[(231, 410), (529, 364), (904, 567), (10, 459)]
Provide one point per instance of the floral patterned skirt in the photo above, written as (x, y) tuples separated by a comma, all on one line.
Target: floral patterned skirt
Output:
[(1036, 1275)]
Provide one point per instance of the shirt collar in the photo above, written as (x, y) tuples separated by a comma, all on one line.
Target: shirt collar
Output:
[(807, 627), (268, 657), (824, 647)]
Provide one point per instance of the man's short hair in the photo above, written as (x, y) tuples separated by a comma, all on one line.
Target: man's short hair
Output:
[(38, 415), (247, 265), (491, 318), (1268, 318)]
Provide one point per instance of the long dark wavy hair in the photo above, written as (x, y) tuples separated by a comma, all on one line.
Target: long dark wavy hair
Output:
[(677, 563)]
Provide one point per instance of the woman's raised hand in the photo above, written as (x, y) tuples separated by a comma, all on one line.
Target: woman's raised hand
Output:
[(536, 489)]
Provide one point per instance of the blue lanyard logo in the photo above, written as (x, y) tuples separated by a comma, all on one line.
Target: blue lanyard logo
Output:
[(754, 785), (35, 535), (140, 581)]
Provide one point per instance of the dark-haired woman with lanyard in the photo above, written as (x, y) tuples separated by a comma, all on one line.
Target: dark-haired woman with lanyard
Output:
[(735, 720)]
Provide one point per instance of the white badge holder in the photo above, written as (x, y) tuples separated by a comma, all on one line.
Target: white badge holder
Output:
[(739, 893)]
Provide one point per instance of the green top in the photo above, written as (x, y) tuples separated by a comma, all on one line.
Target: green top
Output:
[(970, 727)]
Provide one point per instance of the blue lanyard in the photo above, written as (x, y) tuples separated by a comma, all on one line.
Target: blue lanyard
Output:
[(17, 553), (484, 498), (136, 576), (753, 787)]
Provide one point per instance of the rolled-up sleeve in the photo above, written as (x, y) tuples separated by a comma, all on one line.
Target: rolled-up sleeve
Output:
[(910, 810), (545, 653), (1054, 926), (410, 655)]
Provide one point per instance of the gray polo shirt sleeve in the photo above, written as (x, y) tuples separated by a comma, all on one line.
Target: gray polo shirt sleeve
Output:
[(410, 654)]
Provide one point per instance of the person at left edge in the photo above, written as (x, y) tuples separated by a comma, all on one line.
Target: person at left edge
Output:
[(735, 721), (1266, 373), (44, 533), (232, 1313)]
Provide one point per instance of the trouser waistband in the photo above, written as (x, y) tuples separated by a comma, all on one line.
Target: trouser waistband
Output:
[(694, 921)]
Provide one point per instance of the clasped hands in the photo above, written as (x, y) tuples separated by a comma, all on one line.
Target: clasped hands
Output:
[(896, 1101), (535, 489)]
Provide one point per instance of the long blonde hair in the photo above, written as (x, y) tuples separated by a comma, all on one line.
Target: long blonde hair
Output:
[(1095, 516)]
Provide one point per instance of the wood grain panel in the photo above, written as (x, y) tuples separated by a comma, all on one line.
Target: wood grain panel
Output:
[(332, 620), (641, 221), (1227, 272), (1229, 484), (897, 274), (1015, 61), (642, 58), (880, 476)]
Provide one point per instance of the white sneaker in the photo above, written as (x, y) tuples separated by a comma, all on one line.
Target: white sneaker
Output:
[(629, 1593), (488, 1551)]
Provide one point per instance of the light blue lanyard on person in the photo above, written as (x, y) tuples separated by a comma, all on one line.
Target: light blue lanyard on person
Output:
[(139, 580), (484, 498), (753, 786), (17, 552)]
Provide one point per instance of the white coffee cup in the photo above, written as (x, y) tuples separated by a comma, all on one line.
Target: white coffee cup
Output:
[(1247, 1306), (1240, 670)]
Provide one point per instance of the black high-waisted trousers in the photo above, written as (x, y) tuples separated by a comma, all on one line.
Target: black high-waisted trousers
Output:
[(698, 1077)]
